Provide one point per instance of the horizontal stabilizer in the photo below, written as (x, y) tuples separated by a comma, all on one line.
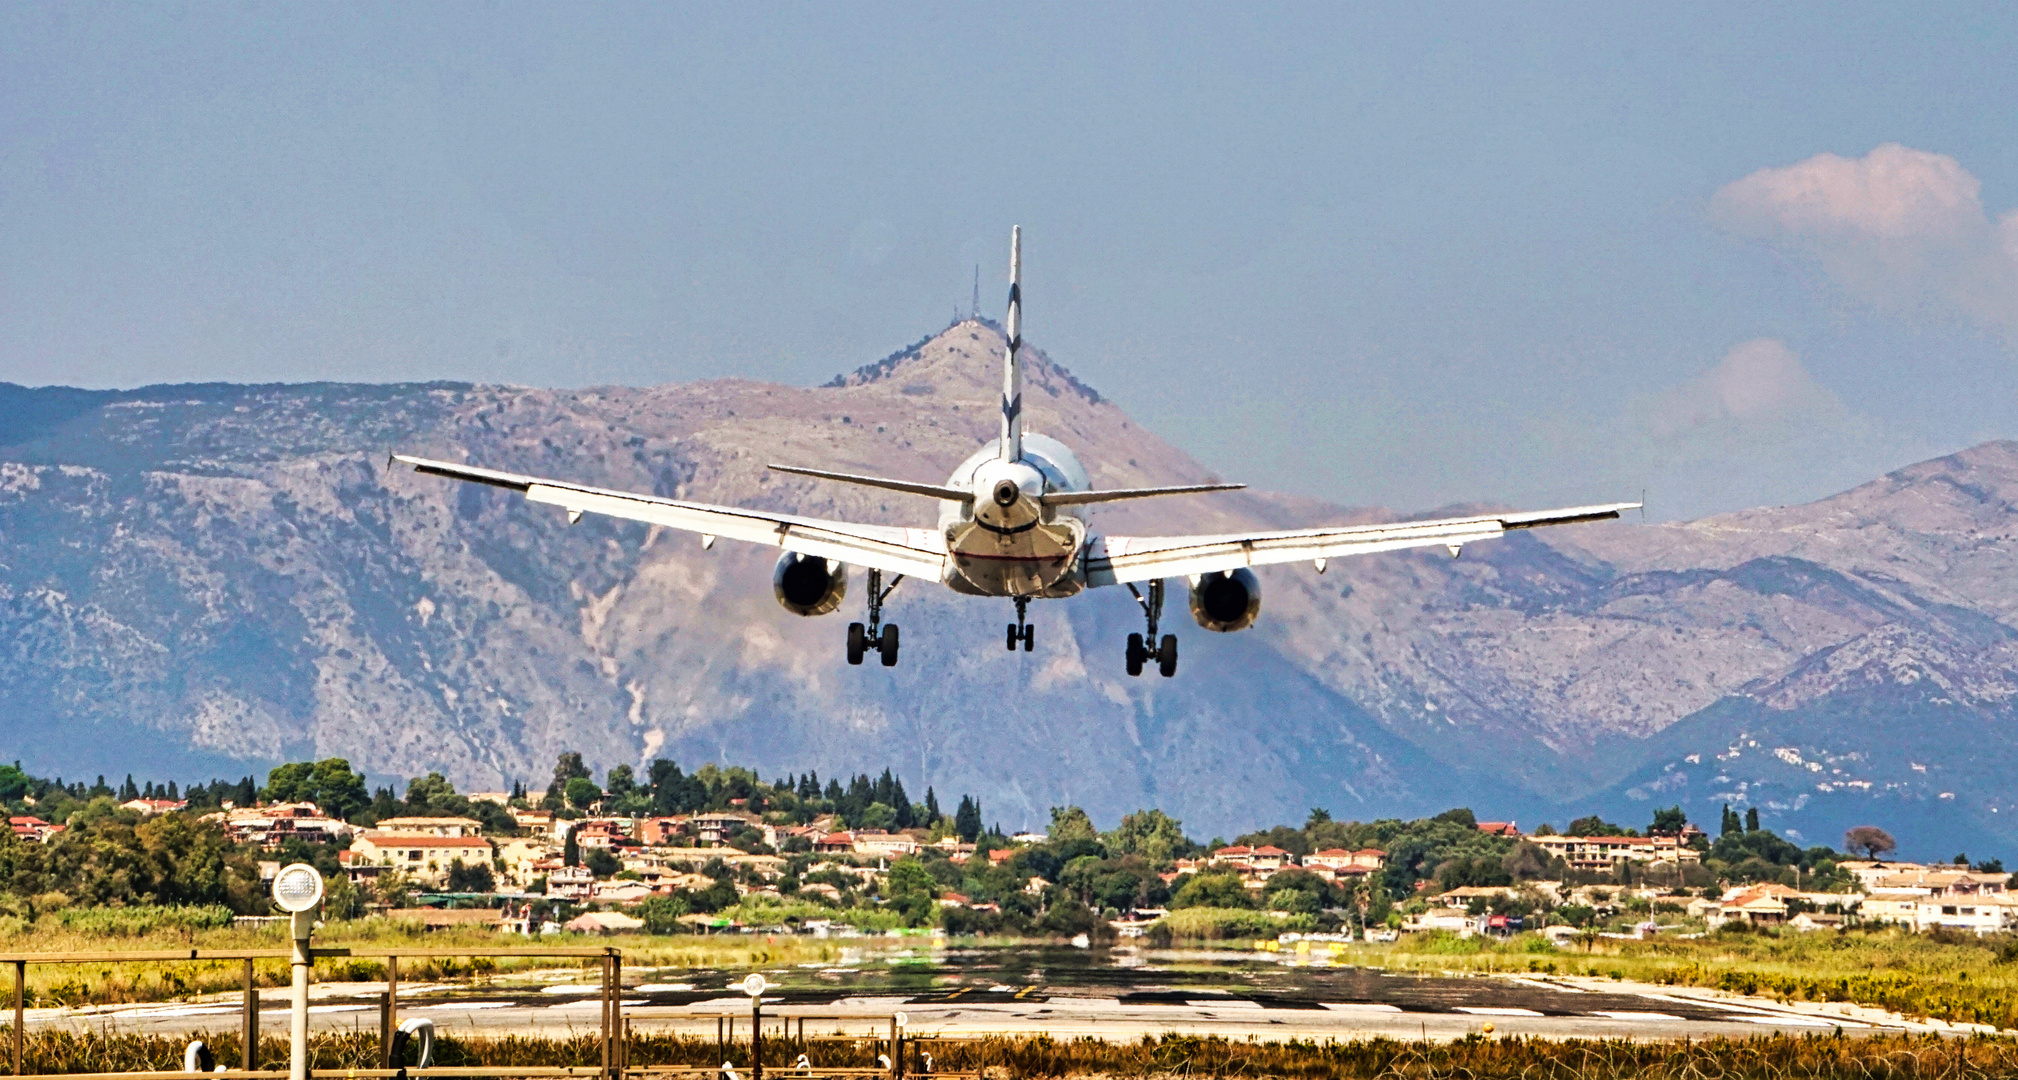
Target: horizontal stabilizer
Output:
[(932, 491), (1080, 498)]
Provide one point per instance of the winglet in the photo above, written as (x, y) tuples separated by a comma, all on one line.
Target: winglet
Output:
[(1012, 365)]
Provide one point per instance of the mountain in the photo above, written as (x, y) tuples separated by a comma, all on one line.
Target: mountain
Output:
[(200, 580)]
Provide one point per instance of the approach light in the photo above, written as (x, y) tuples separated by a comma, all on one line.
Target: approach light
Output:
[(297, 888), (755, 986)]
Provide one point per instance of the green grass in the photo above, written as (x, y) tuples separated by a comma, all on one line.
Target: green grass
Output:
[(1957, 979)]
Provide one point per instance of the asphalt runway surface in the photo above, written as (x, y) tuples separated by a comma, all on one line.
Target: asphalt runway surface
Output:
[(1109, 994)]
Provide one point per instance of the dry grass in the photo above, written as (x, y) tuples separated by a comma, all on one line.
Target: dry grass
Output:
[(1473, 1058), (111, 983)]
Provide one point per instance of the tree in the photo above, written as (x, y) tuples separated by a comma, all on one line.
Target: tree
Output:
[(601, 863), (1669, 822), (1461, 815), (571, 849), (582, 792), (1071, 823), (470, 877), (908, 877), (1873, 841), (1212, 890), (1731, 823), (967, 820), (1152, 834), (1751, 819), (1593, 825), (13, 782), (932, 814), (566, 768)]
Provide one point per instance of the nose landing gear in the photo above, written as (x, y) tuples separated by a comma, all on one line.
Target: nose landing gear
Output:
[(875, 636), (1139, 650), (1021, 630)]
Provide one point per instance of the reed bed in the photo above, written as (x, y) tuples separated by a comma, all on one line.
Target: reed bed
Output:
[(1776, 1057)]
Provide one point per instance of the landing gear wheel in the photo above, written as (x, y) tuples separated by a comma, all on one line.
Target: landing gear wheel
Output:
[(858, 642), (1013, 637), (887, 645), (1136, 654), (1166, 656), (1029, 638)]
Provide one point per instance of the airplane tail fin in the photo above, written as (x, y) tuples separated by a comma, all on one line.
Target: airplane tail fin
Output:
[(1012, 365)]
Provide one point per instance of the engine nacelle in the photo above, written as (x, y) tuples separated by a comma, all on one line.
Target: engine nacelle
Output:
[(1225, 602), (808, 585)]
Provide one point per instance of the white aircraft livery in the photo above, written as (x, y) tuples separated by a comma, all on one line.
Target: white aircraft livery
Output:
[(1011, 525)]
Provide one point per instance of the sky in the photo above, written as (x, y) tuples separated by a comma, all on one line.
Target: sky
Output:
[(1398, 255)]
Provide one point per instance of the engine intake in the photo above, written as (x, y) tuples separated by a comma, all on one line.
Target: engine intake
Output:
[(808, 585), (1225, 602)]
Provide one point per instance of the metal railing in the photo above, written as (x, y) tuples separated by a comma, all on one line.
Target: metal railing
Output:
[(614, 1039)]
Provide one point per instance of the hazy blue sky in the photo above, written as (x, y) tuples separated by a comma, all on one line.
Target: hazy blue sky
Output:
[(1383, 256)]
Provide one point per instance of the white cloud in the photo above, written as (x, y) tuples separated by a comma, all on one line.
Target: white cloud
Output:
[(1759, 384), (1898, 227)]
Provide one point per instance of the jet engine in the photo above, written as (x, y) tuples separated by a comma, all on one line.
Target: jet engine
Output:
[(808, 585), (1225, 602)]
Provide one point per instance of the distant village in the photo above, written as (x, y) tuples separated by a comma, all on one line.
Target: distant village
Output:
[(532, 869)]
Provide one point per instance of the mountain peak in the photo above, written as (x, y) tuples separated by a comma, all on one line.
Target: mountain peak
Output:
[(963, 358)]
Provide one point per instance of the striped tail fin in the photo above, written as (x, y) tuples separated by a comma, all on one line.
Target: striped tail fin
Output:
[(1012, 365)]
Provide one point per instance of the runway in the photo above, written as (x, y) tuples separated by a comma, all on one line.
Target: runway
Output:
[(1065, 993)]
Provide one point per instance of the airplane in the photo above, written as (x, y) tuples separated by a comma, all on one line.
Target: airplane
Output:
[(1011, 526)]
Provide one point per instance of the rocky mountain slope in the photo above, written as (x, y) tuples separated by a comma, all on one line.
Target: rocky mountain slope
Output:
[(199, 579)]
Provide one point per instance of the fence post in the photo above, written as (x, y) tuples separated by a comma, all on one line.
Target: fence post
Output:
[(248, 1021), (757, 1038), (896, 1052), (619, 1052), (391, 1023), (20, 1013)]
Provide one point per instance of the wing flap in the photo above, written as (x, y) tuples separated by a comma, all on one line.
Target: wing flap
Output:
[(1115, 560), (883, 547)]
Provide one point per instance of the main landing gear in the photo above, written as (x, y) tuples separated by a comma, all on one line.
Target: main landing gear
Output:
[(1021, 630), (1165, 654), (875, 636)]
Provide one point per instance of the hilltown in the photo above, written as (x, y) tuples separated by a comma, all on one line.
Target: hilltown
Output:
[(643, 857)]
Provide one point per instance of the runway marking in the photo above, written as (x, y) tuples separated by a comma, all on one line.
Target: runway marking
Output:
[(664, 988), (439, 1005), (1027, 991), (1539, 984), (1357, 1006), (1486, 1010), (1792, 1021), (955, 995), (571, 989), (1223, 1003), (1615, 1014)]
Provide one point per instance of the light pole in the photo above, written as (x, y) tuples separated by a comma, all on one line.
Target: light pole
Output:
[(755, 986), (297, 890)]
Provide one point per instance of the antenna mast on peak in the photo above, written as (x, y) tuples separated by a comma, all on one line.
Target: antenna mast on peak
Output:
[(974, 311)]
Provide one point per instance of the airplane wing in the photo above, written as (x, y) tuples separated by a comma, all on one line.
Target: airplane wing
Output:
[(1116, 560), (920, 552)]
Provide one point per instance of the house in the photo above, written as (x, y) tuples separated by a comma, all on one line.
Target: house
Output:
[(429, 826), (835, 843), (1029, 838), (270, 826), (360, 870), (953, 899), (603, 922), (661, 831), (621, 892), (533, 820), (502, 798), (1449, 920), (1465, 894), (1499, 828), (151, 807), (1334, 863), (715, 828), (1758, 905), (33, 829), (570, 882), (424, 858), (998, 856), (520, 856), (1605, 852), (885, 845), (1808, 921)]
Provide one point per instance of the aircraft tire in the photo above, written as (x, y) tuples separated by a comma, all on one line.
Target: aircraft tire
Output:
[(1136, 654), (1011, 639), (887, 645), (1166, 657), (857, 642), (1029, 638)]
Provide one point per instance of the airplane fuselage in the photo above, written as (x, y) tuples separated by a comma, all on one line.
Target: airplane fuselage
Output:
[(1005, 542)]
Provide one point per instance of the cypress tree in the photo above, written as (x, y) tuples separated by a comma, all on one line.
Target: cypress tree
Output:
[(1751, 819), (932, 813)]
